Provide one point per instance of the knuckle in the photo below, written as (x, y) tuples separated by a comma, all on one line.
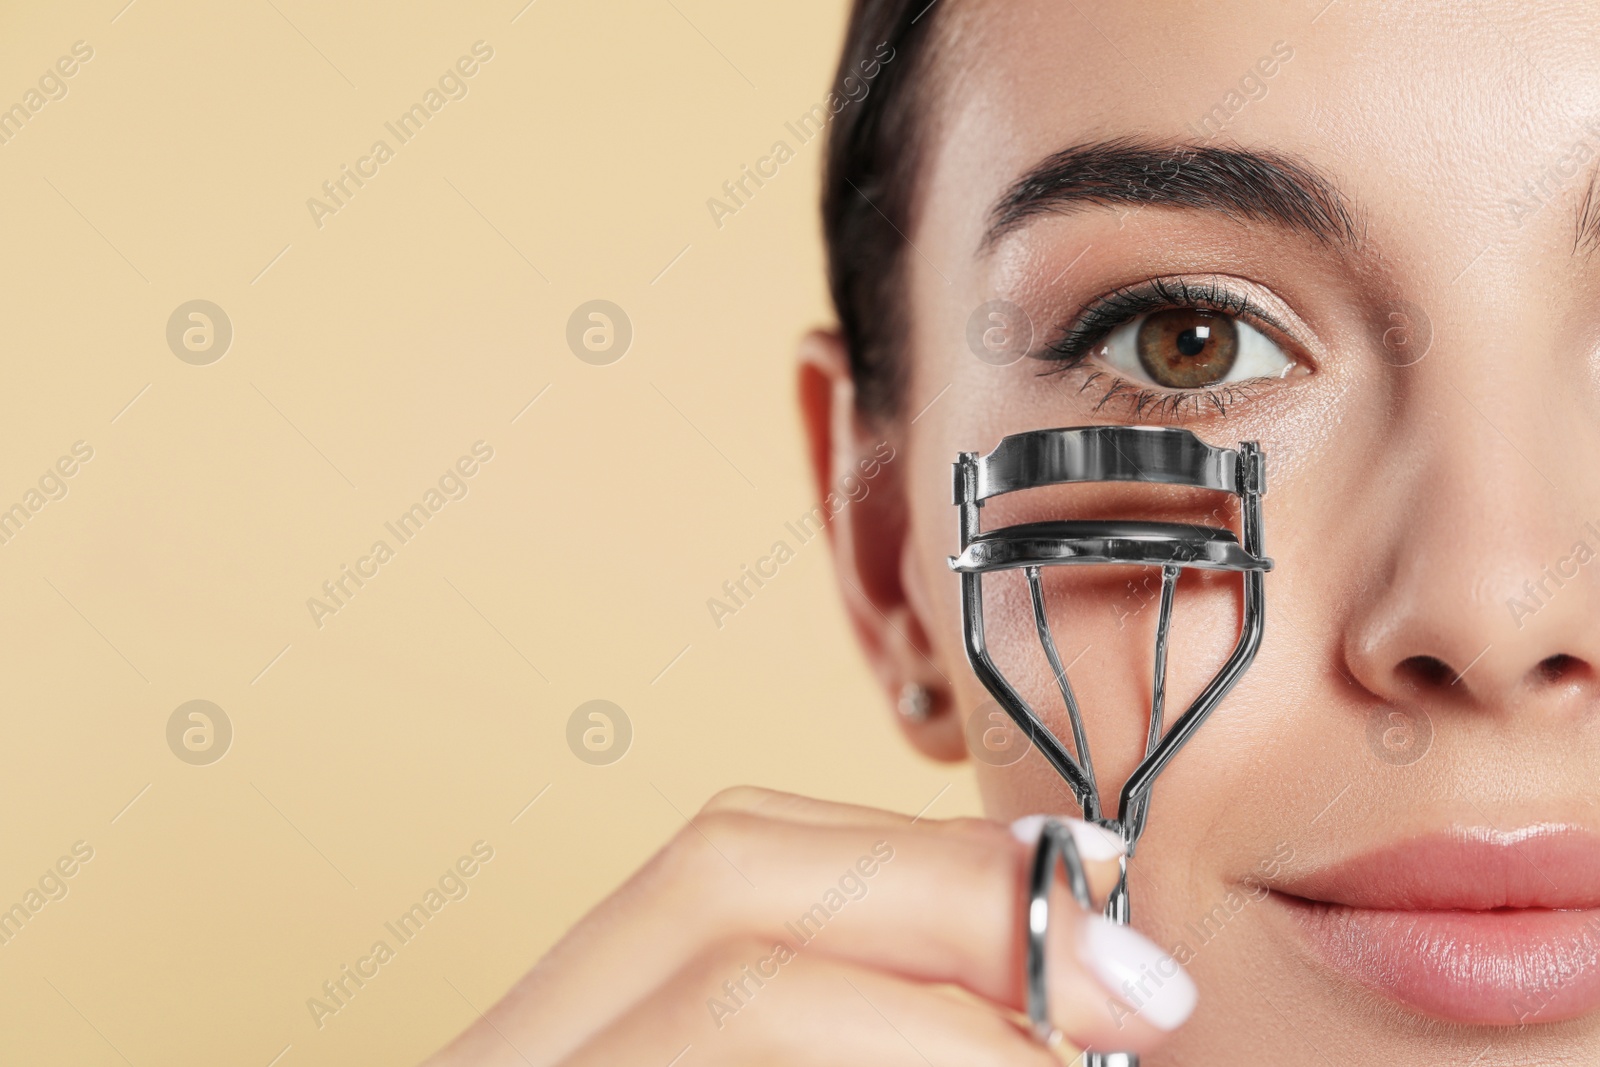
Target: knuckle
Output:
[(718, 960), (747, 963), (708, 847), (724, 826), (738, 798)]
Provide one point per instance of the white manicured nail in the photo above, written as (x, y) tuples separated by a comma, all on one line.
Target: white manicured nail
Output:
[(1137, 972), (1094, 842)]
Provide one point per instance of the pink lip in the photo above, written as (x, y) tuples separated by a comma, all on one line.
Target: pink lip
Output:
[(1477, 926)]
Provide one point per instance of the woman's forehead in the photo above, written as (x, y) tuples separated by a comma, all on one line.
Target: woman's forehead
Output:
[(1437, 124)]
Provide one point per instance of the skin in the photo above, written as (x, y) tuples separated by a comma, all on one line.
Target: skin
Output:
[(1407, 505)]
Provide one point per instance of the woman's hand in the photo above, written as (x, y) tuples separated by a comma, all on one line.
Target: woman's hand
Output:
[(777, 929)]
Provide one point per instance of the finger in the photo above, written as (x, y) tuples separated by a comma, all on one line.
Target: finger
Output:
[(954, 914), (1100, 850), (1109, 987), (792, 807), (930, 901), (809, 1010)]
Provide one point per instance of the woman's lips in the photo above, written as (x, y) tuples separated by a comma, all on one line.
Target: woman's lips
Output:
[(1482, 927)]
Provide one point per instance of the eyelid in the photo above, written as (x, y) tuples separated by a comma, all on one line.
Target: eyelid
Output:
[(1076, 337)]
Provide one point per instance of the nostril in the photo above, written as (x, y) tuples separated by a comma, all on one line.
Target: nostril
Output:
[(1560, 668), (1425, 672)]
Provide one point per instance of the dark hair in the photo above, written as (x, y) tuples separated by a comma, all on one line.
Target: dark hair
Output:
[(868, 189)]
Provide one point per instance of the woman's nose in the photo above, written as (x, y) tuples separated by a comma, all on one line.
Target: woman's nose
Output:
[(1486, 593)]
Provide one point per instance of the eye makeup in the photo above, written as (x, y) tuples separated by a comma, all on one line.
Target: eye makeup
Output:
[(1170, 348)]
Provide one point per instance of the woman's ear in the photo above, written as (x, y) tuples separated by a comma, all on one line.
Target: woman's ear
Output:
[(860, 476)]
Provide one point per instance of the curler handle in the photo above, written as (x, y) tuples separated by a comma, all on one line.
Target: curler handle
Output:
[(1056, 846), (1117, 903)]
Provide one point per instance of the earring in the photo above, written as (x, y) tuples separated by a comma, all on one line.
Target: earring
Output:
[(916, 702)]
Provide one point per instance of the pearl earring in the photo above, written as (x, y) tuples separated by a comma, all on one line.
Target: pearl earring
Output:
[(916, 702)]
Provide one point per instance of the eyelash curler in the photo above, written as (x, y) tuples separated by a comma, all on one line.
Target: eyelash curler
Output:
[(1149, 454)]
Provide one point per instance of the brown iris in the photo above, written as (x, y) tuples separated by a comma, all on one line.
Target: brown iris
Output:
[(1187, 348)]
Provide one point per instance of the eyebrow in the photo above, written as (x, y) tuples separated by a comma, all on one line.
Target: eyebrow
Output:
[(1258, 185)]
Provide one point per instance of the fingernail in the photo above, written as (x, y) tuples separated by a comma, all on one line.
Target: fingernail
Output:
[(1094, 842), (1137, 972)]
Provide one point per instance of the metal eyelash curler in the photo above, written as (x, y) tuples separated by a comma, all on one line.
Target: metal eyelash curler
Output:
[(1150, 454)]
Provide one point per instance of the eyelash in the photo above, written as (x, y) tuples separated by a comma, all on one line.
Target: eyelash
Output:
[(1076, 340)]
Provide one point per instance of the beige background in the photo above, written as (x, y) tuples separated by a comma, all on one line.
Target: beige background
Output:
[(369, 354)]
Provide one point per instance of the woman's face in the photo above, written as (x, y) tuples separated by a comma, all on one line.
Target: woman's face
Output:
[(1383, 214)]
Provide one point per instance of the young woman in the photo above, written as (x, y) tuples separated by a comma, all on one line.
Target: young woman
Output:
[(1363, 234)]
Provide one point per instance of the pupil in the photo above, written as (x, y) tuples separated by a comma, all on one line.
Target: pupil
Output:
[(1192, 342), (1187, 348)]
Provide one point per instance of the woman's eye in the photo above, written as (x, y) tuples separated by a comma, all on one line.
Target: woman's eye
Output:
[(1191, 348)]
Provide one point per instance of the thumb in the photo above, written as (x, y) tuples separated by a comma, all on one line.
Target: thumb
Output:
[(1109, 987)]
